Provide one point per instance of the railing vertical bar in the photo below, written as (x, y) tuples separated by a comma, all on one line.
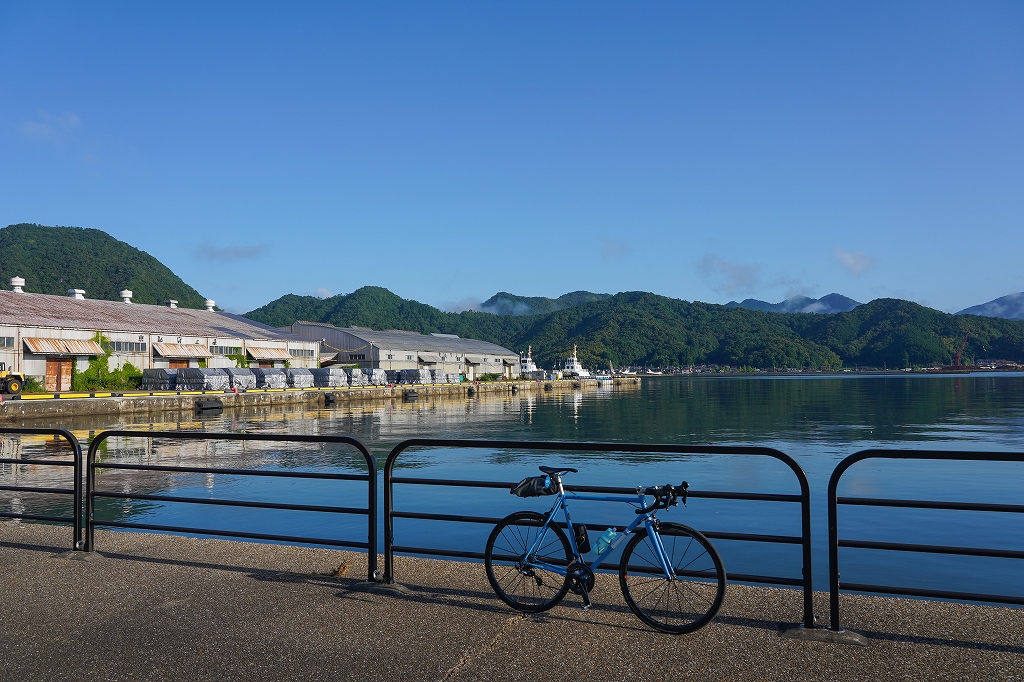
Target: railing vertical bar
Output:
[(76, 454), (835, 585)]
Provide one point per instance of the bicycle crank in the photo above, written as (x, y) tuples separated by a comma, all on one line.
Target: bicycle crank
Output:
[(581, 581)]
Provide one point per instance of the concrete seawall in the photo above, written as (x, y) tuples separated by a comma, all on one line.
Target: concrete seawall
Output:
[(134, 402)]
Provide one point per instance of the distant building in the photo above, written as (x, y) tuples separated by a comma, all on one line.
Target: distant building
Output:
[(44, 336), (393, 349)]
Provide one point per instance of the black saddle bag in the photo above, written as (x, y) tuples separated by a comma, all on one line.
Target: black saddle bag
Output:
[(534, 486)]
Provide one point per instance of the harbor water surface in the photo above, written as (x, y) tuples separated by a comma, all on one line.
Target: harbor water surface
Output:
[(817, 420)]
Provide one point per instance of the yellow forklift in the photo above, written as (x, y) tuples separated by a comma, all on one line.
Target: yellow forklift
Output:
[(10, 382)]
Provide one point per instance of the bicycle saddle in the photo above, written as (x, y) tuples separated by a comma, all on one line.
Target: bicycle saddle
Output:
[(557, 471)]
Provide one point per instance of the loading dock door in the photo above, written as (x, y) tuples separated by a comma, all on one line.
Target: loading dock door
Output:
[(58, 374), (177, 364)]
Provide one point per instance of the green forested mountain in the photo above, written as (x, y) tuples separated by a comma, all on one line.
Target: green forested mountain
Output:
[(647, 329), (504, 303), (55, 259)]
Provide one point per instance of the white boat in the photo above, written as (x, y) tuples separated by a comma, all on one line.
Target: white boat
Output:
[(572, 367), (527, 368)]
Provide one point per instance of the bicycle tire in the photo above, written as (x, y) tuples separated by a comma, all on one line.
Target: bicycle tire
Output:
[(681, 605), (521, 586)]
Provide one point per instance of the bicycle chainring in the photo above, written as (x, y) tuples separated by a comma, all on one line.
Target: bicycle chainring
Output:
[(580, 576)]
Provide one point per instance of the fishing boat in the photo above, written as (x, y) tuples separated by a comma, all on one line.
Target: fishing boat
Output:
[(572, 367), (527, 368)]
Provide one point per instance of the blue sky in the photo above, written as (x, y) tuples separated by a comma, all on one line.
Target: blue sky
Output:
[(451, 150)]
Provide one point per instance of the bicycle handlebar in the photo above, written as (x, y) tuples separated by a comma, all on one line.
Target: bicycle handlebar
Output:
[(665, 496)]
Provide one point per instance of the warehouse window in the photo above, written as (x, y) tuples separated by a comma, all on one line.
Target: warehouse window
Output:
[(6, 342), (125, 347), (301, 352), (226, 350), (390, 357), (408, 357), (353, 356)]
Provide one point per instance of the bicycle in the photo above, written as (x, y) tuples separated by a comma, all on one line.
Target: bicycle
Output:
[(671, 576)]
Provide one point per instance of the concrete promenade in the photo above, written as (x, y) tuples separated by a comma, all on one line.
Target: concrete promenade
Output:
[(157, 607)]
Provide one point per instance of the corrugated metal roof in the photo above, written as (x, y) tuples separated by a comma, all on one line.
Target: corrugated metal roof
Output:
[(182, 350), (474, 359), (412, 341), (268, 353), (430, 357), (62, 312), (62, 346)]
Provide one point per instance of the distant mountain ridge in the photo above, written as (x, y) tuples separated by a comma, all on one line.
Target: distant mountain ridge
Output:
[(504, 303), (1009, 307), (55, 259), (641, 328), (828, 305)]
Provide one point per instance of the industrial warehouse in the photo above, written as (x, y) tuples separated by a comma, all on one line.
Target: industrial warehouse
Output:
[(42, 336), (401, 350)]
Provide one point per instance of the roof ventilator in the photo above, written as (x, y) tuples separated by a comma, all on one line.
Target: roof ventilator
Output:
[(171, 303), (17, 283), (126, 296), (77, 294), (210, 305)]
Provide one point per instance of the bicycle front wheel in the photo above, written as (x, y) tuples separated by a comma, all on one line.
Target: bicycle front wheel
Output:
[(688, 600), (519, 579)]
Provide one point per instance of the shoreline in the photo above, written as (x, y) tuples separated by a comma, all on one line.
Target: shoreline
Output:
[(99, 403)]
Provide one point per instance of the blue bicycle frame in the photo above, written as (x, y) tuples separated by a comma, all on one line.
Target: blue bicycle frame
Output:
[(646, 518)]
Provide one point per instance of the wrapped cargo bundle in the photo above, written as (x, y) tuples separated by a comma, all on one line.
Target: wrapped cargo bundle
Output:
[(393, 376), (158, 379), (409, 376), (240, 377), (270, 378), (357, 378), (299, 377), (329, 377), (438, 377), (376, 377), (454, 378), (425, 377), (202, 379)]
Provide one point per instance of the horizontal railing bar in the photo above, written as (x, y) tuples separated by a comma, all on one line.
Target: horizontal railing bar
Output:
[(37, 517), (49, 462), (938, 594), (28, 489), (611, 490), (928, 504), (934, 549), (231, 534), (750, 537), (739, 577), (230, 503), (233, 472)]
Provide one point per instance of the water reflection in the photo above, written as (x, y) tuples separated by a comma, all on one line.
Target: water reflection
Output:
[(817, 420)]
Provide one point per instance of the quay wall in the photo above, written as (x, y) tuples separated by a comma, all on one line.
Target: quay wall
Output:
[(136, 402)]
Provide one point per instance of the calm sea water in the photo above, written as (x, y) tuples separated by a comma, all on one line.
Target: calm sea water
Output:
[(817, 420)]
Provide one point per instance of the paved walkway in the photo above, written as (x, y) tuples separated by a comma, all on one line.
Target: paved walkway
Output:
[(156, 607)]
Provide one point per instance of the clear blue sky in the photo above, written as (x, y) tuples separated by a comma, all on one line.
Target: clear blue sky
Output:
[(451, 150)]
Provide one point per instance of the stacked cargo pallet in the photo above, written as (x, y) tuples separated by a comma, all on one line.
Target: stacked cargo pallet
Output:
[(202, 379), (240, 378), (357, 378), (270, 378), (299, 377), (159, 379), (329, 377)]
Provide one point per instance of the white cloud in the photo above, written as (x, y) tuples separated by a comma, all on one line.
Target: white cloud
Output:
[(462, 306), (612, 249), (732, 278), (209, 252), (51, 127), (323, 292), (856, 262)]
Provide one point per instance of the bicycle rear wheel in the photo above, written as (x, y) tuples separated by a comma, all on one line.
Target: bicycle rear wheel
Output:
[(515, 577), (684, 603)]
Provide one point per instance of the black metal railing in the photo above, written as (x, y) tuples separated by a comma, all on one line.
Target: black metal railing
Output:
[(75, 491), (803, 499), (835, 542), (370, 511)]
